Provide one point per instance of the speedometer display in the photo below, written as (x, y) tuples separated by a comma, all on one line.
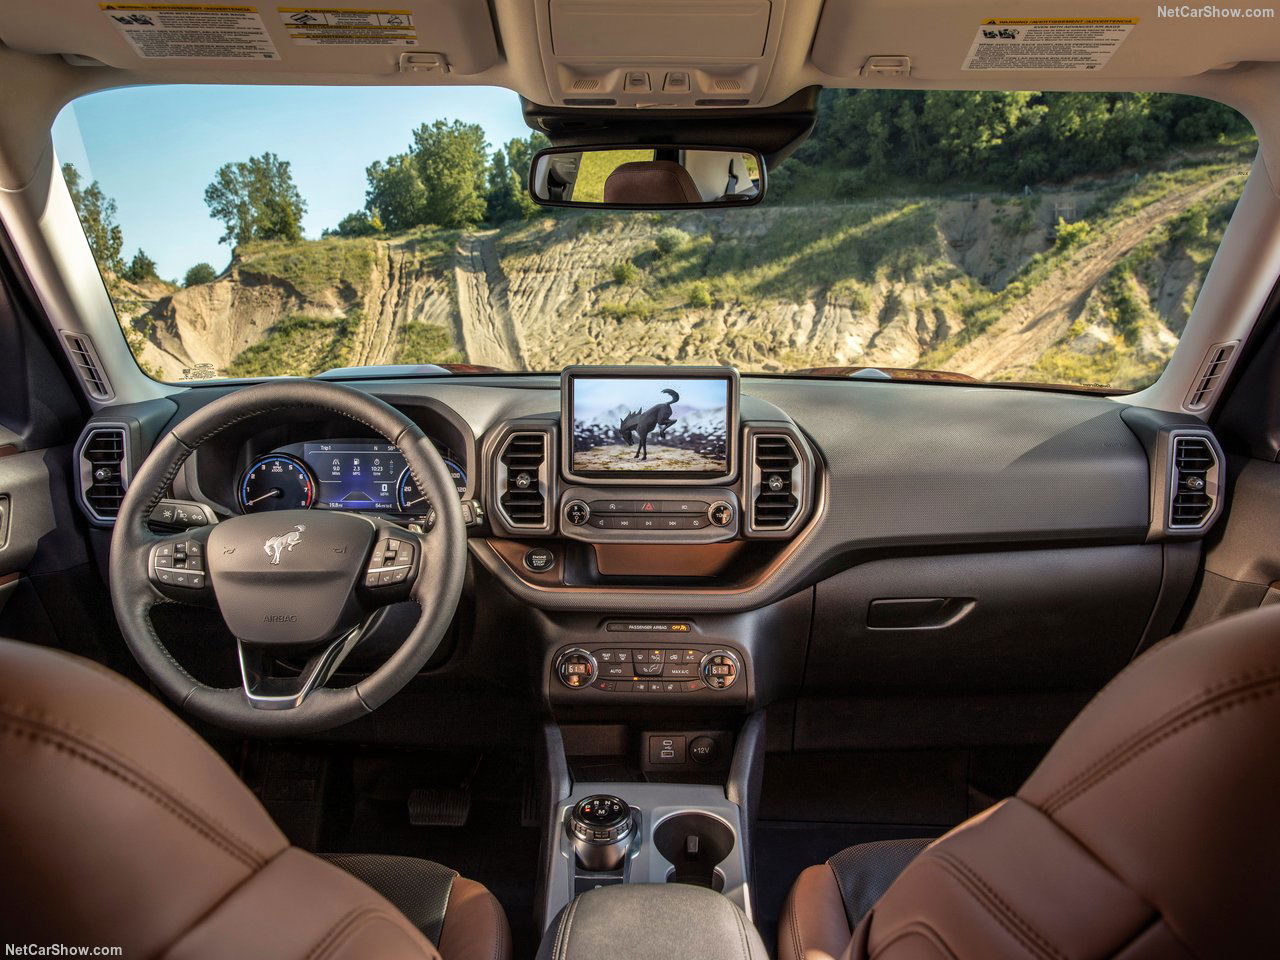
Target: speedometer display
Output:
[(411, 499), (276, 482)]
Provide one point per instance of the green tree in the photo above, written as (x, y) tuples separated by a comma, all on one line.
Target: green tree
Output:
[(256, 199), (395, 195), (140, 269), (451, 160), (200, 273), (358, 224), (97, 214), (508, 178)]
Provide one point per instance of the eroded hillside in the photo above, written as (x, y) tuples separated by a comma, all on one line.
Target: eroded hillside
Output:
[(987, 285)]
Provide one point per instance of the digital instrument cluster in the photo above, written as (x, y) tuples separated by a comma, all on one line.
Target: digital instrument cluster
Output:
[(338, 475)]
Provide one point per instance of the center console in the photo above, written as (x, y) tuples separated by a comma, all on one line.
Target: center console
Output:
[(609, 834)]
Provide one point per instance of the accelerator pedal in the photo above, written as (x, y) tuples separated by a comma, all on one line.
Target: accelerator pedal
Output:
[(440, 806)]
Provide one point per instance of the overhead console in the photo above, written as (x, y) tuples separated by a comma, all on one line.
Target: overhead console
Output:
[(663, 53)]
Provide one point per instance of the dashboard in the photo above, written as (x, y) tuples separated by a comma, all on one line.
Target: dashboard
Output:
[(671, 534)]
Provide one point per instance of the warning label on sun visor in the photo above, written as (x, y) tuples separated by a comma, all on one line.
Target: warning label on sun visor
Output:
[(337, 25), (1047, 43), (183, 31)]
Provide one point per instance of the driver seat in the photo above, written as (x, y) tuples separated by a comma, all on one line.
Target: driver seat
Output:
[(120, 826)]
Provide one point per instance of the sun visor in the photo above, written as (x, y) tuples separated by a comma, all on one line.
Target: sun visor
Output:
[(978, 39), (268, 38)]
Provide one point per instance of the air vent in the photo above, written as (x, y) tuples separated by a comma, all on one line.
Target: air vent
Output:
[(522, 480), (1210, 375), (1193, 482), (104, 471), (775, 482), (87, 364), (585, 83), (724, 85)]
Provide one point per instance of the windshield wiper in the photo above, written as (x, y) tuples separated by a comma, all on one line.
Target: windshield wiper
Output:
[(384, 370), (913, 375)]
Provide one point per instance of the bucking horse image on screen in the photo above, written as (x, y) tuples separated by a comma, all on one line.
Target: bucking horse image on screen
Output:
[(640, 423)]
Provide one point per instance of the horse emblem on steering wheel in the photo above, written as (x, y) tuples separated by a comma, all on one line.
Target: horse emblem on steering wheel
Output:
[(285, 541)]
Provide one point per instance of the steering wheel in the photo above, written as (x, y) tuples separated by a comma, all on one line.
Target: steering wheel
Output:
[(304, 584)]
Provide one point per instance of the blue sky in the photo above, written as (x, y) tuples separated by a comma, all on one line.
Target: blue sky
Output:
[(154, 149), (592, 395)]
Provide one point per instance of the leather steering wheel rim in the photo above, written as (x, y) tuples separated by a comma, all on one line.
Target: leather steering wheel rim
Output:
[(436, 589)]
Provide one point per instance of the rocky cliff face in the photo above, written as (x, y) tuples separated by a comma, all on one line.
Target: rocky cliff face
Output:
[(976, 285)]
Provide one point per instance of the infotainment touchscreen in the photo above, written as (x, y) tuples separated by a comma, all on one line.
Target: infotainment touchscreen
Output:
[(652, 423)]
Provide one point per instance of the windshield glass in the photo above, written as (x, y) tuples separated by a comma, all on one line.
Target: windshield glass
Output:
[(1033, 237)]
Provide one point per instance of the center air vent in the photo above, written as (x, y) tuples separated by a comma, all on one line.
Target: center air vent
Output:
[(522, 480), (104, 471), (775, 484), (1193, 482)]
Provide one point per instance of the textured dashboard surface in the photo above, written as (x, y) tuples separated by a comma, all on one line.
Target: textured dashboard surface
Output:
[(903, 466)]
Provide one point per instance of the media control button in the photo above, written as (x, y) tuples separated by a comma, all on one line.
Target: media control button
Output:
[(577, 512), (720, 513)]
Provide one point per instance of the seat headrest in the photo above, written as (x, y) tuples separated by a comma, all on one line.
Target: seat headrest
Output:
[(651, 181)]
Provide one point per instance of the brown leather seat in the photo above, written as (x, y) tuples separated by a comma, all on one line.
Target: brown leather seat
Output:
[(120, 827), (650, 181), (1151, 829)]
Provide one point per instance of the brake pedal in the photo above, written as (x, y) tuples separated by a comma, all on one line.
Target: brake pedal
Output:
[(439, 806)]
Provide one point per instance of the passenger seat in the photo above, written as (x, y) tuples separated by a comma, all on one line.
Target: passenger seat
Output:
[(1151, 829)]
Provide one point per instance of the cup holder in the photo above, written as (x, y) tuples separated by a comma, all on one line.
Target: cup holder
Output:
[(694, 844)]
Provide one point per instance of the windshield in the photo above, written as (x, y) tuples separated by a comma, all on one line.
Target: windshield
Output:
[(1030, 237)]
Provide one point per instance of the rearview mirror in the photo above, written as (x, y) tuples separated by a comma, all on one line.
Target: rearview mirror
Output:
[(647, 178)]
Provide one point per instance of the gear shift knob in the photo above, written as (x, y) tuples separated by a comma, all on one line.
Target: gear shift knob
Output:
[(601, 827)]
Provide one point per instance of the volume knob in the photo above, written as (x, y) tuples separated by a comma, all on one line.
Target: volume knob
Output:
[(577, 512)]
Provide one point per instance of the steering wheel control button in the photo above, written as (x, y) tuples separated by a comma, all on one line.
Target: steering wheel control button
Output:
[(178, 563), (720, 669), (391, 562), (539, 560), (720, 513), (577, 512), (577, 668)]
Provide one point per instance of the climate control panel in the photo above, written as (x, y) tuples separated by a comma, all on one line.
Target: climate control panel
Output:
[(667, 669)]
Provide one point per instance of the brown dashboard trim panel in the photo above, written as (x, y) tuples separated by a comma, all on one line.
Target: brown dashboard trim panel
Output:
[(767, 586)]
